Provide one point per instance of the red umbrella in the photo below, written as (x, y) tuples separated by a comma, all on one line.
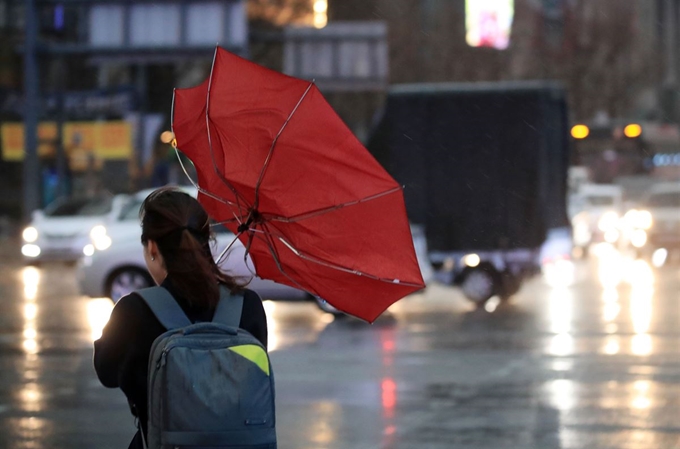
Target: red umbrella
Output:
[(281, 170)]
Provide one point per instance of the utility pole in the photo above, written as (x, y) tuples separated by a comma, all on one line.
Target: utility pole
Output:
[(31, 175), (142, 83), (62, 180)]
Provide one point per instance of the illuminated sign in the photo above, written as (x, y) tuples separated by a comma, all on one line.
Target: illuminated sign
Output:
[(108, 140), (666, 160), (488, 22)]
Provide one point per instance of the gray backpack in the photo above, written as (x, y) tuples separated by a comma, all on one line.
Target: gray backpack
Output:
[(210, 385)]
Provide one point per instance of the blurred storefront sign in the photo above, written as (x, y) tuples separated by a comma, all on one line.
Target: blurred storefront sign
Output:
[(489, 22), (110, 140), (150, 127), (75, 104), (343, 56)]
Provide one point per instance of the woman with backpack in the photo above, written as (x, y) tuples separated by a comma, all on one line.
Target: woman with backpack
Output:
[(176, 243)]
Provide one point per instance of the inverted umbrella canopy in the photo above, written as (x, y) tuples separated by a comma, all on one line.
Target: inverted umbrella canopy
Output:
[(282, 171)]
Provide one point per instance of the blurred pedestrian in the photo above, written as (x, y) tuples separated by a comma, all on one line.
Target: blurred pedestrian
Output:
[(176, 244), (160, 167)]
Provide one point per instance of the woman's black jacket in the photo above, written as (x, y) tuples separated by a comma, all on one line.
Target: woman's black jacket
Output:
[(121, 355)]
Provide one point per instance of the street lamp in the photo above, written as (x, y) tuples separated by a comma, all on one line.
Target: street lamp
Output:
[(167, 136)]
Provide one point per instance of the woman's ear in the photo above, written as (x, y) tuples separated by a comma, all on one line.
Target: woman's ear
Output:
[(154, 262), (152, 249)]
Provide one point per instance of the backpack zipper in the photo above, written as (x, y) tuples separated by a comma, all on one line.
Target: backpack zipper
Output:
[(162, 360)]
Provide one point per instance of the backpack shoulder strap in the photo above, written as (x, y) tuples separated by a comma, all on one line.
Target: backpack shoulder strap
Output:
[(229, 309), (164, 306)]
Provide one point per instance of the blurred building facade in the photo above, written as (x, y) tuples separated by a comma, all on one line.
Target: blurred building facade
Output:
[(106, 73), (617, 59), (608, 53)]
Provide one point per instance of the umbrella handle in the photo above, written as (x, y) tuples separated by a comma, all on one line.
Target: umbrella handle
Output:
[(243, 227), (253, 217)]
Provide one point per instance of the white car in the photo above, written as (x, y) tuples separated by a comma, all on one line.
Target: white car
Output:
[(556, 257), (596, 212), (119, 268), (420, 246), (60, 232), (655, 224), (113, 263)]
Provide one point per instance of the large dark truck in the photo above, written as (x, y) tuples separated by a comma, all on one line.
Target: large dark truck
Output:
[(484, 168)]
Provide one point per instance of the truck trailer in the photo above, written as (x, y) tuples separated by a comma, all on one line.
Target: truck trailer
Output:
[(484, 169)]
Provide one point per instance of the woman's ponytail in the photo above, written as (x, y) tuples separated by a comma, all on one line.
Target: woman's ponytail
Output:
[(181, 228)]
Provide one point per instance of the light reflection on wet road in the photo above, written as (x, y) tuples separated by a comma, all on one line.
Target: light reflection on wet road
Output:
[(591, 365)]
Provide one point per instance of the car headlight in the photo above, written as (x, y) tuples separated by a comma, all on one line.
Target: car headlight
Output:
[(644, 219), (582, 234), (100, 240), (581, 217), (30, 234), (608, 221), (471, 260), (639, 238), (611, 235), (638, 219), (30, 250)]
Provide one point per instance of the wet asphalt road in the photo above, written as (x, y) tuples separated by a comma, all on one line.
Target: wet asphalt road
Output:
[(595, 365)]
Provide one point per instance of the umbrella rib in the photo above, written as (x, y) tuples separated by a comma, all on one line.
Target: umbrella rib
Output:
[(271, 149), (225, 222), (219, 174), (315, 213), (275, 255), (345, 269), (334, 266), (186, 173), (225, 251), (206, 192)]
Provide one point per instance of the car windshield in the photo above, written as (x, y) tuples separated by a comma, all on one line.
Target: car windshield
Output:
[(88, 207), (601, 200), (667, 199), (131, 210)]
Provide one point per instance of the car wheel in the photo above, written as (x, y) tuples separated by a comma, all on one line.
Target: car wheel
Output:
[(126, 280), (509, 285), (480, 283)]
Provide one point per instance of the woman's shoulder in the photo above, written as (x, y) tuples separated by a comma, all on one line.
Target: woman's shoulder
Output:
[(252, 302), (250, 295), (133, 305), (131, 301)]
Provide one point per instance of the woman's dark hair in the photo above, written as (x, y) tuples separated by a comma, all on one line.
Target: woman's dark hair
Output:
[(181, 228)]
